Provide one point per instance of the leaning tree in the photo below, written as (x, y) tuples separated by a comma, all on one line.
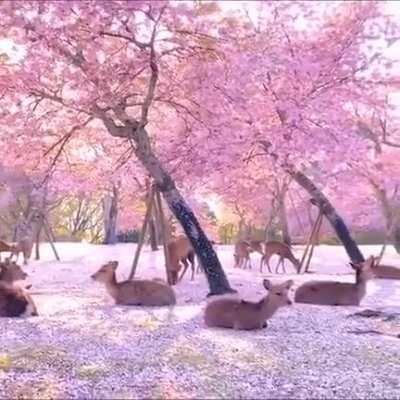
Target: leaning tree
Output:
[(107, 66)]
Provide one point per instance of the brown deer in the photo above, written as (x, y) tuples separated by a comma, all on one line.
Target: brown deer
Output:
[(283, 251), (6, 248), (386, 271), (15, 302), (25, 247), (10, 271), (136, 292), (331, 293), (241, 314), (242, 254), (180, 251)]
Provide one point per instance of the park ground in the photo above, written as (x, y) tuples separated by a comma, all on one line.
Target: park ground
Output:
[(83, 346)]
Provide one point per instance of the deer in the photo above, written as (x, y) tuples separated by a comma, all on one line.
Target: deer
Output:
[(180, 251), (6, 248), (136, 292), (246, 315), (25, 247), (10, 271), (283, 251), (331, 293), (16, 302), (385, 271), (242, 254)]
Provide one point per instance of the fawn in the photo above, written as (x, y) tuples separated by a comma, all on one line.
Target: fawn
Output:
[(283, 251), (331, 293), (136, 292), (241, 314)]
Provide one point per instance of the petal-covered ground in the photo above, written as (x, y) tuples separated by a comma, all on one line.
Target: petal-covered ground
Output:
[(83, 346)]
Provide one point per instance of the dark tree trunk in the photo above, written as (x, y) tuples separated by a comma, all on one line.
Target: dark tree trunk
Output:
[(217, 280), (329, 211), (216, 277), (153, 234), (110, 209)]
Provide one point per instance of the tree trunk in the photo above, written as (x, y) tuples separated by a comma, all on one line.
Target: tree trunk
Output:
[(153, 234), (217, 280), (110, 213), (329, 211)]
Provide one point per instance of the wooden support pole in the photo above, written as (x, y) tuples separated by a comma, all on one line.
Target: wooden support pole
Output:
[(310, 240), (142, 234), (50, 237), (314, 241), (164, 236)]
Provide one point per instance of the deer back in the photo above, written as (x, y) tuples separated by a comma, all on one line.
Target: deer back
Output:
[(144, 293), (386, 272)]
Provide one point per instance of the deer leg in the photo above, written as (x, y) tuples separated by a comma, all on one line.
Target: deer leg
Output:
[(261, 263), (283, 265), (186, 266), (277, 265), (191, 258), (268, 265)]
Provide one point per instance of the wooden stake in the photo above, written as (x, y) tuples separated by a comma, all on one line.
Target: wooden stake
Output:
[(142, 234), (310, 240), (164, 236), (314, 240), (50, 237)]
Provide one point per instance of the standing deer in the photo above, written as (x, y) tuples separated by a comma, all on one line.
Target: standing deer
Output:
[(330, 293), (180, 251), (15, 302), (11, 271), (136, 292), (241, 314), (283, 251), (242, 254)]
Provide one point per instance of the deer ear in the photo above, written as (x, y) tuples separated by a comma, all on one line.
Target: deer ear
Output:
[(355, 266), (114, 264), (267, 284), (289, 284)]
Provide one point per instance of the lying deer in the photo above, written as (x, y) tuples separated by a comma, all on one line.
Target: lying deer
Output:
[(241, 314), (24, 246), (332, 293), (11, 271), (136, 292), (180, 251), (385, 271), (15, 302), (283, 251), (6, 248)]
